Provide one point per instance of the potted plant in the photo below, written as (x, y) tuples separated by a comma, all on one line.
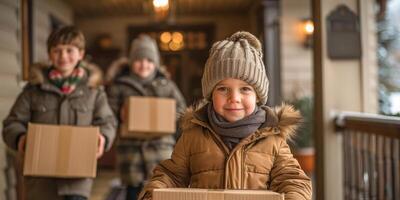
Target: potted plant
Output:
[(303, 143)]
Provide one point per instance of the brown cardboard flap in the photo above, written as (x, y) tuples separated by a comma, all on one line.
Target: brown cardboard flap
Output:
[(149, 117), (61, 151), (215, 195), (64, 154), (83, 151), (150, 114), (210, 194), (139, 135)]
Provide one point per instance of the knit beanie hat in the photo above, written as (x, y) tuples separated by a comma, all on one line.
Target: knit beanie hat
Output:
[(144, 47), (239, 57)]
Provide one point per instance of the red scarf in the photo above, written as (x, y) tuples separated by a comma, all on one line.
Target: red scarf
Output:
[(67, 85)]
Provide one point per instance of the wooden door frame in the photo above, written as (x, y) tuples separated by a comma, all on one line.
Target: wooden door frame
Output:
[(318, 100), (26, 36)]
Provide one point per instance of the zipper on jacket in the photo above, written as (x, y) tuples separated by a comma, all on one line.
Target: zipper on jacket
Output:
[(223, 149), (243, 173), (228, 158), (242, 165), (243, 168), (214, 136), (229, 154)]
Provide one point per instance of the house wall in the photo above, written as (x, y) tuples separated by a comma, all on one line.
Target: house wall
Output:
[(11, 67), (369, 61), (10, 71), (341, 92), (346, 86), (43, 12), (117, 27), (296, 60)]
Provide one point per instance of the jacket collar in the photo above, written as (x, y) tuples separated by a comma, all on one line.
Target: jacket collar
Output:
[(128, 80), (120, 68), (38, 74), (282, 121)]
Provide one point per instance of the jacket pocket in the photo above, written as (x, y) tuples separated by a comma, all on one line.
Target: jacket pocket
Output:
[(258, 166), (202, 162), (259, 162), (83, 113), (45, 112)]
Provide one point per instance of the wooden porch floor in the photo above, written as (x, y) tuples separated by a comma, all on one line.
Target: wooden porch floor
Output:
[(103, 182)]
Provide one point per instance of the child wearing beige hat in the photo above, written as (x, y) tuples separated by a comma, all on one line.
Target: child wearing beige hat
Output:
[(233, 141)]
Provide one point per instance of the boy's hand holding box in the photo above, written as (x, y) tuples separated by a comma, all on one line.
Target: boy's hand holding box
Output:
[(61, 151), (148, 117)]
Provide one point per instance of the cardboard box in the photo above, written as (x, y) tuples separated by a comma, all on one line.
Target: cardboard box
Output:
[(149, 117), (61, 151), (212, 194)]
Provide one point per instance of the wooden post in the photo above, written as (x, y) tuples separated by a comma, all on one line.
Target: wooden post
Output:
[(271, 43), (26, 23)]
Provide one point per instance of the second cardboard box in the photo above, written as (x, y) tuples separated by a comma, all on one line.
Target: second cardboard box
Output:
[(148, 117)]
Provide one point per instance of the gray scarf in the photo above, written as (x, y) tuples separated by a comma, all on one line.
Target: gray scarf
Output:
[(232, 132)]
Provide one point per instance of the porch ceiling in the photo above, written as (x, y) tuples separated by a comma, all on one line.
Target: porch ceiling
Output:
[(95, 8)]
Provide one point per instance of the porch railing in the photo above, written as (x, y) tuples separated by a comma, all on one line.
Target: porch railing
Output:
[(371, 156)]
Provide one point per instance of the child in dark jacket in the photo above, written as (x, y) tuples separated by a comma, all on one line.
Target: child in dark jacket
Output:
[(234, 141), (66, 92), (140, 75)]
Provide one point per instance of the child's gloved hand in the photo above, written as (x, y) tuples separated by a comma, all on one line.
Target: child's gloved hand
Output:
[(21, 144), (100, 147)]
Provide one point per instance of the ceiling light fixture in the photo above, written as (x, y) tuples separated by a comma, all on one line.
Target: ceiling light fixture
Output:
[(161, 9)]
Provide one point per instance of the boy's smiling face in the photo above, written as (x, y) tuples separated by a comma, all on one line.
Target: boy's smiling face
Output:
[(65, 57), (234, 99)]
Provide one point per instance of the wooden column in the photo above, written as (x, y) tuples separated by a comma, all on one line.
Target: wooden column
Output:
[(318, 101), (271, 43)]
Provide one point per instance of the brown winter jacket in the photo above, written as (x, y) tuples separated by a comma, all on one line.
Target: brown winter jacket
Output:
[(261, 161), (42, 102)]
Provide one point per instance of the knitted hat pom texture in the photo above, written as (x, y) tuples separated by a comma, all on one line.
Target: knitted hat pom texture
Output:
[(239, 57)]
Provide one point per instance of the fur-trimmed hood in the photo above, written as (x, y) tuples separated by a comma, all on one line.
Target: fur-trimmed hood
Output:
[(121, 66), (38, 71), (283, 119), (260, 161)]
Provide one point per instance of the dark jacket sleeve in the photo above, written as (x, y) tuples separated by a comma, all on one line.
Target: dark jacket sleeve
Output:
[(180, 107), (114, 99), (180, 100), (171, 173), (104, 118), (287, 177), (17, 120)]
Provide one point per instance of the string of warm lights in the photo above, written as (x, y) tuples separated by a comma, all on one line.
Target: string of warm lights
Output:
[(171, 41)]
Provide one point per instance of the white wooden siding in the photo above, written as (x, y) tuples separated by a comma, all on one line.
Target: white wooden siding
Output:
[(9, 71), (9, 62), (43, 9), (369, 62), (9, 41), (296, 61)]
